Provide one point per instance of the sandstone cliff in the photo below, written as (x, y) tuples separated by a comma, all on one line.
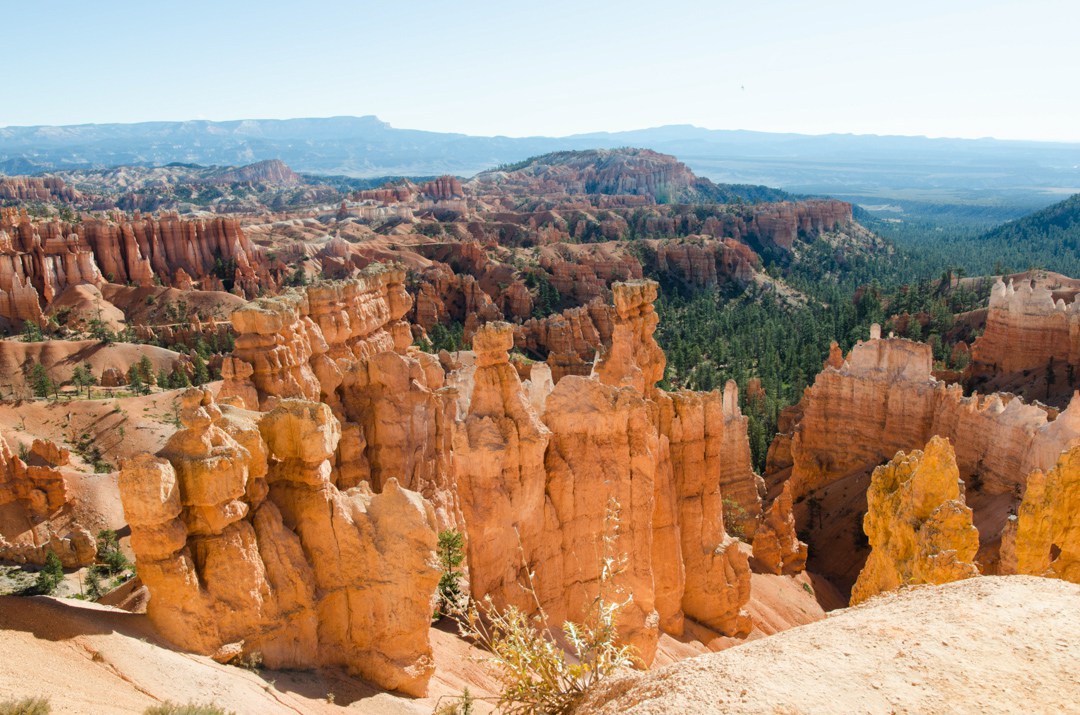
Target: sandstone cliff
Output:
[(1043, 538), (38, 259), (242, 538), (919, 527), (883, 399)]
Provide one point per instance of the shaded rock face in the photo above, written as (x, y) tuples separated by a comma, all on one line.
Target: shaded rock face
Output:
[(1043, 538), (880, 400), (776, 543), (39, 259), (241, 537), (35, 517), (919, 527)]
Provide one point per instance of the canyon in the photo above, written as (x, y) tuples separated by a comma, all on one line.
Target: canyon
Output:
[(480, 356)]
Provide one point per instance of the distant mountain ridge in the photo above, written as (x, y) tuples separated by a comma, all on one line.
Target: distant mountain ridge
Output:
[(849, 166)]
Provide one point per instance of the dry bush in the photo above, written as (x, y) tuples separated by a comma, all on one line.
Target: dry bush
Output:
[(26, 706), (536, 673)]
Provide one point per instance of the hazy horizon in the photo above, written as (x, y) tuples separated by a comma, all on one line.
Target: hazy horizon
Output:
[(436, 130), (963, 69)]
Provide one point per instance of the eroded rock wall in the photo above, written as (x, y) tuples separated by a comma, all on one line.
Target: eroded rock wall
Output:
[(242, 538)]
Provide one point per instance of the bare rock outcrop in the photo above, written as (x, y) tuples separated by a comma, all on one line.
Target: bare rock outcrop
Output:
[(241, 537), (883, 399), (604, 450), (1043, 538), (35, 517), (776, 543), (919, 527), (499, 463), (633, 359), (39, 259)]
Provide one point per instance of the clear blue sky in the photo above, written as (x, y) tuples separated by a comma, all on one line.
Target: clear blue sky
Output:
[(962, 68)]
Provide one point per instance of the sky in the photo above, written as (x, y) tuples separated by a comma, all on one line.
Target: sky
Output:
[(956, 68)]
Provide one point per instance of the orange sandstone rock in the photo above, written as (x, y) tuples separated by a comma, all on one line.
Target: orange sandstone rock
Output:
[(241, 537), (919, 527), (1043, 538)]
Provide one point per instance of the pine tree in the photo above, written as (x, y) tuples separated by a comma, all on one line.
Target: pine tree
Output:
[(51, 574), (201, 372), (40, 382)]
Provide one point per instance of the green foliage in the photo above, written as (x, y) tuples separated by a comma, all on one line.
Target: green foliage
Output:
[(26, 706), (95, 589), (40, 382), (200, 372), (32, 332), (298, 277), (82, 376), (450, 338), (547, 300), (451, 554), (100, 331), (109, 552), (51, 574), (225, 269)]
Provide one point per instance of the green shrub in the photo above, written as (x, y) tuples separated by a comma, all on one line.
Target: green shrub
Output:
[(451, 554), (51, 574)]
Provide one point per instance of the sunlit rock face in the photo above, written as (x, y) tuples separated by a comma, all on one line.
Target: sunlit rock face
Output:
[(241, 537), (919, 528)]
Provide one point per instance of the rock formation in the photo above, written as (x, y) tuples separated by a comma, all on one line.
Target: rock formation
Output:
[(776, 544), (499, 463), (242, 538), (35, 517), (1043, 538), (882, 399), (1031, 343), (529, 472), (39, 259), (919, 527)]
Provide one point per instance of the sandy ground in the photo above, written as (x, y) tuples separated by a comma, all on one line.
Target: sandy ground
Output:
[(985, 645), (90, 658)]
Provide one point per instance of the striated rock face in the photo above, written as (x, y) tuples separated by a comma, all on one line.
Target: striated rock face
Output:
[(528, 471), (710, 460), (32, 188), (604, 449), (570, 339), (294, 342), (706, 263), (39, 259), (241, 537), (1025, 328), (1043, 538), (919, 527), (35, 517), (880, 400), (1031, 344)]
